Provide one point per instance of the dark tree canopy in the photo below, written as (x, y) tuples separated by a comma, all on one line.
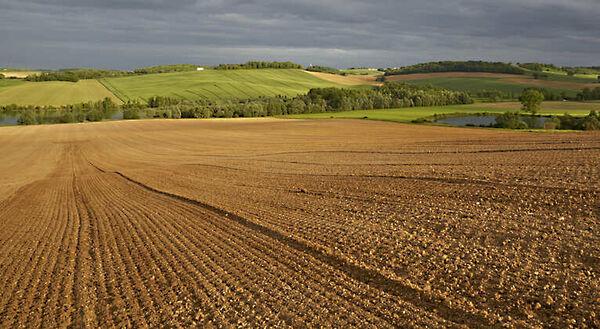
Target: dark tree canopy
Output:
[(457, 66), (324, 69), (259, 65)]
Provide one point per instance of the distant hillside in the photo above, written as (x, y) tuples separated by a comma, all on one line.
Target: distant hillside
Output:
[(52, 92), (497, 85), (590, 72)]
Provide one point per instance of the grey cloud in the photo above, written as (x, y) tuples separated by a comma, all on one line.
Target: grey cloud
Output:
[(130, 33)]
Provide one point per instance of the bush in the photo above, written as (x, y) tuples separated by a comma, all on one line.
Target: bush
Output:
[(510, 120), (532, 100), (591, 122), (94, 115), (27, 118), (159, 101), (552, 123), (588, 94), (131, 114)]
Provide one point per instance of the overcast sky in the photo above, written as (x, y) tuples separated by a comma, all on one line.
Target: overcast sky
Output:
[(342, 33)]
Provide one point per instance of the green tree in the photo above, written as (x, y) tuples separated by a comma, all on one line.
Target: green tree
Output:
[(532, 100)]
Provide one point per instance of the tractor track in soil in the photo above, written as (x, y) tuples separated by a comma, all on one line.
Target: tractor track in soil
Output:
[(364, 275)]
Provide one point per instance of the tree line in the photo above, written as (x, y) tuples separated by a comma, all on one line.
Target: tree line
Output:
[(74, 75), (318, 100), (166, 68), (324, 69), (515, 120), (457, 66), (588, 94), (539, 67), (259, 65)]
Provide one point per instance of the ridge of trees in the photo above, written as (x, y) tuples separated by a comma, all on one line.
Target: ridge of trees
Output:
[(515, 120), (588, 94), (540, 67), (74, 75), (166, 68), (259, 65), (324, 69), (457, 66)]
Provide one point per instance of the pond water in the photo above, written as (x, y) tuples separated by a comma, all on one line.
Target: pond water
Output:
[(489, 121), (12, 119), (8, 120), (117, 115), (470, 120)]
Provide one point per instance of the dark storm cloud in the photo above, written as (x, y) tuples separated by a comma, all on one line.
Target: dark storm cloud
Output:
[(130, 33)]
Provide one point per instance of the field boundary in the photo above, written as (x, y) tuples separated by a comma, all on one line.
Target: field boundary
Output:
[(366, 276), (112, 90)]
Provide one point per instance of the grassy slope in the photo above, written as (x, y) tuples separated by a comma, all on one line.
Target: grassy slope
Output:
[(54, 93), (560, 73), (409, 114), (481, 84), (7, 83), (216, 84)]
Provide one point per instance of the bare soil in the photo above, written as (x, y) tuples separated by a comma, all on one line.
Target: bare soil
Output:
[(349, 80), (18, 74), (335, 223)]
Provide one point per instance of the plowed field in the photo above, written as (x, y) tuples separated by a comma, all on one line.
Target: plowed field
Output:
[(297, 223)]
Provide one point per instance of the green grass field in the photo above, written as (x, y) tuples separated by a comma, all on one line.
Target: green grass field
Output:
[(53, 93), (413, 113), (563, 76), (482, 84), (216, 84), (7, 83), (578, 78)]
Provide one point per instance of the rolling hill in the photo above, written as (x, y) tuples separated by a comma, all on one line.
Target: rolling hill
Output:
[(52, 92), (216, 84), (509, 83)]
